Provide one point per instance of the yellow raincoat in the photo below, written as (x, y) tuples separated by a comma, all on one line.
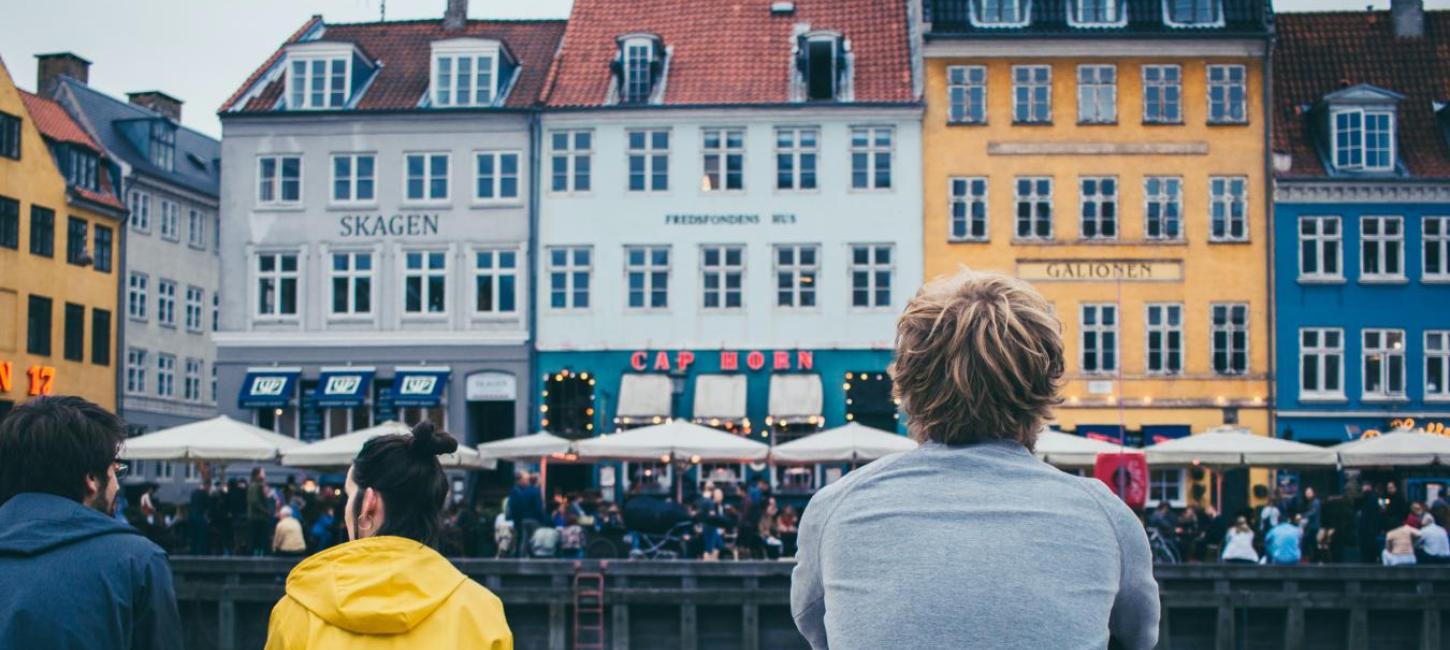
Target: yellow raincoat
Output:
[(385, 592)]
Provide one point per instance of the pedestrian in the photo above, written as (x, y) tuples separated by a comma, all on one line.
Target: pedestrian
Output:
[(1400, 543), (388, 587), (1309, 511), (1396, 507), (322, 529), (260, 512), (287, 537), (73, 576), (1434, 543), (1238, 543), (1282, 544), (526, 511), (1269, 514), (943, 546), (197, 510), (1369, 524)]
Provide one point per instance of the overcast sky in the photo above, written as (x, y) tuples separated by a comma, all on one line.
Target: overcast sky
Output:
[(201, 50)]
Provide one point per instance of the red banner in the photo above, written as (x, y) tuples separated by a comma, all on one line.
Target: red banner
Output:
[(1126, 475)]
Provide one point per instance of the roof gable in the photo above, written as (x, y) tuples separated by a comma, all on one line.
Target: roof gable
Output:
[(1363, 94)]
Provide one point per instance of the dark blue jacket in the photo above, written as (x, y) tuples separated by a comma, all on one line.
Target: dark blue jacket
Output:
[(72, 578), (526, 503)]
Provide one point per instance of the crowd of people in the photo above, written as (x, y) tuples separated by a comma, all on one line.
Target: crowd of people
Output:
[(1376, 526)]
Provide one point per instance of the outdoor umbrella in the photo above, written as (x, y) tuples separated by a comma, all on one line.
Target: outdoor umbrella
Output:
[(1067, 450), (1233, 447), (852, 443), (676, 438), (218, 439), (1396, 448), (525, 448), (339, 451)]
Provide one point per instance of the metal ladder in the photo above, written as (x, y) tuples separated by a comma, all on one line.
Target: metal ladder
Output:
[(589, 608)]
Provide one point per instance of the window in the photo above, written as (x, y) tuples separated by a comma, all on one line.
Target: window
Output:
[(9, 223), (135, 371), (193, 308), (722, 276), (354, 178), (101, 337), (1165, 338), (1097, 94), (1031, 94), (425, 282), (649, 160), (1229, 208), (279, 180), (136, 298), (75, 333), (724, 152), (1435, 253), (1192, 12), (1162, 94), (1363, 140), (196, 228), (427, 177), (1099, 199), (1384, 364), (496, 176), (9, 136), (871, 157), (1034, 208), (1230, 339), (163, 145), (821, 54), (191, 384), (170, 223), (796, 151), (999, 12), (166, 375), (1437, 365), (1319, 248), (37, 339), (495, 281), (1164, 214), (969, 208), (871, 270), (75, 241), (1381, 249), (1321, 363), (464, 79), (140, 205), (1099, 338), (1098, 12), (570, 156), (166, 302), (796, 268), (101, 257), (1227, 94), (319, 83), (967, 94), (1166, 485), (637, 72), (82, 168), (352, 284), (276, 285), (647, 269), (42, 231), (570, 269)]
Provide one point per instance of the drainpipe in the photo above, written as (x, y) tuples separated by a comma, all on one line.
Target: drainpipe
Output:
[(535, 164), (1271, 396), (121, 314)]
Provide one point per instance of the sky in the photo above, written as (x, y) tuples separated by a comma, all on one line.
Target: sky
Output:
[(200, 50)]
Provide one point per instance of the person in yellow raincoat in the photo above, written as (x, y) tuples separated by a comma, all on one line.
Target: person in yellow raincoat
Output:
[(388, 588)]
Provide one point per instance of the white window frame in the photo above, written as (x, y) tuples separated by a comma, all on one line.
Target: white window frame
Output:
[(442, 95), (497, 178), (1222, 195), (966, 91), (648, 268), (1359, 148), (1100, 330), (166, 302), (721, 153), (1216, 21), (1159, 482), (1318, 241), (277, 277), (495, 274), (351, 276), (136, 360), (1385, 351), (353, 179), (1029, 84), (1166, 328), (962, 193), (1228, 329), (425, 272), (1169, 195), (797, 153), (571, 155), (308, 82), (1021, 11), (196, 228), (137, 296), (1322, 356), (804, 278), (633, 67), (1037, 201), (1171, 110), (191, 381), (428, 177), (872, 268), (873, 151), (1223, 107), (140, 206), (649, 155), (1438, 241), (1115, 14), (1384, 243), (1437, 348), (170, 224), (278, 183), (1095, 203), (1091, 85), (721, 271), (570, 270), (192, 310), (165, 375)]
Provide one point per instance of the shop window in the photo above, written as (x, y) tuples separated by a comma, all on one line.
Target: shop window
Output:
[(649, 477), (569, 404), (795, 479), (278, 420), (869, 400)]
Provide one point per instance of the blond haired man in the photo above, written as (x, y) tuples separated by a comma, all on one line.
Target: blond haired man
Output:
[(970, 541)]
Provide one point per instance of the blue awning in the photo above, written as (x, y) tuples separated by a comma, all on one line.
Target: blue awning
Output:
[(347, 387), (268, 388), (419, 387), (1156, 433), (1105, 432)]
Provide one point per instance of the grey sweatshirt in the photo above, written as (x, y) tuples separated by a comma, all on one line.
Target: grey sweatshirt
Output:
[(979, 546)]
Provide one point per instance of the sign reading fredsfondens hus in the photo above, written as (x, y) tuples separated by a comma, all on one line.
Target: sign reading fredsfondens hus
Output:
[(1100, 270)]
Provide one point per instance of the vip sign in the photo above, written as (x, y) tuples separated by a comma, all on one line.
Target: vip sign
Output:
[(418, 385), (342, 385), (42, 379), (268, 386)]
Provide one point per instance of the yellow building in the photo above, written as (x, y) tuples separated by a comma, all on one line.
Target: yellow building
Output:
[(1114, 154), (60, 238)]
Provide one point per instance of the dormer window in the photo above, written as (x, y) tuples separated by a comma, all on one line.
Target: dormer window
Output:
[(318, 82), (82, 168), (999, 13), (1193, 13), (1364, 139), (1091, 13), (638, 67), (821, 64), (467, 73), (163, 145)]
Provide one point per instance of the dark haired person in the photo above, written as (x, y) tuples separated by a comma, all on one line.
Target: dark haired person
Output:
[(71, 576), (943, 546), (388, 587)]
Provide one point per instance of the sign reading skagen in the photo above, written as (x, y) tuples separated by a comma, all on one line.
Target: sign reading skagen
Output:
[(377, 225), (1101, 270)]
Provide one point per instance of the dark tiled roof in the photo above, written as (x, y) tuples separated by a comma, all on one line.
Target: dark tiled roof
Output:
[(56, 124), (197, 163), (731, 51), (1319, 53), (1050, 18), (404, 50)]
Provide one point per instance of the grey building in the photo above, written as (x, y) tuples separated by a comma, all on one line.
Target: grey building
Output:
[(377, 208)]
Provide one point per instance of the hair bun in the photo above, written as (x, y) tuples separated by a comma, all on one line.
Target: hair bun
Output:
[(428, 441)]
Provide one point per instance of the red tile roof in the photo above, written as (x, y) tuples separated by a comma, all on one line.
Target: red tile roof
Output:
[(731, 51), (1319, 53), (404, 50), (55, 123)]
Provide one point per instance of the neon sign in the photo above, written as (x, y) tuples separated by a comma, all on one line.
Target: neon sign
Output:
[(730, 360)]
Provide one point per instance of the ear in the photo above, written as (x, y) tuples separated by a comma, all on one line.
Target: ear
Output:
[(93, 486), (372, 507)]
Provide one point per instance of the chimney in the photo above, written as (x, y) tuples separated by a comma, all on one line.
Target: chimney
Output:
[(158, 101), (1409, 17), (50, 67), (456, 16)]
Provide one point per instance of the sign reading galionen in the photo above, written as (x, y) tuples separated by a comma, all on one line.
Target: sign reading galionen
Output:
[(1100, 270)]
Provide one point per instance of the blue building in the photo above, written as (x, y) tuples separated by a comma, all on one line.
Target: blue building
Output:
[(1362, 222)]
